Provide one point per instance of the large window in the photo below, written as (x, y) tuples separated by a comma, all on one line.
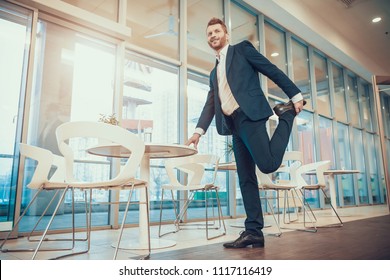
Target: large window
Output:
[(300, 61), (307, 143), (322, 84), (345, 183), (326, 139), (353, 101), (150, 109), (360, 165), (366, 101), (73, 81), (211, 142), (15, 34), (275, 48), (339, 93), (373, 171), (199, 54)]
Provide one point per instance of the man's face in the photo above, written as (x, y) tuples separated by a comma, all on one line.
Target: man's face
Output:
[(217, 38)]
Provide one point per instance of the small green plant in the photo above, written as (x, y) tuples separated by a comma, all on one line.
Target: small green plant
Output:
[(229, 148), (110, 119)]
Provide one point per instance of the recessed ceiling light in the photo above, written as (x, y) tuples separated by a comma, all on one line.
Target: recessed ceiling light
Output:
[(377, 19), (274, 54)]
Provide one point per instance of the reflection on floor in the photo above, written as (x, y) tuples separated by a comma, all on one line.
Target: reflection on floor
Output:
[(101, 241)]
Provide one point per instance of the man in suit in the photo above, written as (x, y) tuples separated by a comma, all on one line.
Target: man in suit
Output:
[(241, 109)]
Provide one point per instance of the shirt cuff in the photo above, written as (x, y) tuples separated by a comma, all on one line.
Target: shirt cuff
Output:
[(199, 130), (296, 98)]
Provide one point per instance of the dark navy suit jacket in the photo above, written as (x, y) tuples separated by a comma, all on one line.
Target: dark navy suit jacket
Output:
[(243, 63)]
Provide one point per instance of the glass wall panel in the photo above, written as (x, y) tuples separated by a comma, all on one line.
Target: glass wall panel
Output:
[(385, 107), (211, 142), (306, 136), (199, 53), (154, 25), (366, 101), (326, 140), (307, 146), (244, 26), (353, 101), (358, 149), (344, 147), (275, 51), (68, 86), (107, 8), (326, 153), (15, 34), (345, 182), (385, 102), (340, 111), (300, 62), (373, 171), (322, 84), (150, 109)]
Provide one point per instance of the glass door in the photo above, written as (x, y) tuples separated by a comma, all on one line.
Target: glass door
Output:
[(15, 33)]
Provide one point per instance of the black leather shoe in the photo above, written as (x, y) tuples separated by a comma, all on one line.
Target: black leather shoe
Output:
[(246, 239), (282, 108)]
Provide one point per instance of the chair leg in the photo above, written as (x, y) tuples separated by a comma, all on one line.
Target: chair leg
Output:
[(73, 239), (183, 210), (221, 222), (123, 222), (49, 224), (16, 225), (161, 209), (176, 214), (273, 215), (148, 223), (287, 203), (313, 228), (88, 215), (220, 215), (340, 224)]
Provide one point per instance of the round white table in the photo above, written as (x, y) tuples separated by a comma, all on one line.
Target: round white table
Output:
[(152, 151)]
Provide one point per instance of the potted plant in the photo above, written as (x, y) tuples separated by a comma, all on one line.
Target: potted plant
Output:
[(229, 150), (110, 119)]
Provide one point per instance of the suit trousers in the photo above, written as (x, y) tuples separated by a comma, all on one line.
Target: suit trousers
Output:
[(252, 146)]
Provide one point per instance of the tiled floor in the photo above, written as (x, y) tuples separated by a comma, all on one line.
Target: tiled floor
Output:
[(102, 249)]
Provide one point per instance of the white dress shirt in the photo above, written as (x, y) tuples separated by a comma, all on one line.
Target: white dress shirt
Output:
[(228, 102)]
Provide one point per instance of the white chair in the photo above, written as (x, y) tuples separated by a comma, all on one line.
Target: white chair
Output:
[(197, 182), (285, 186), (125, 178), (40, 182), (286, 175), (319, 168), (284, 183)]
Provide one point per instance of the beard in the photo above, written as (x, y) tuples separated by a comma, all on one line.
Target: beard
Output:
[(218, 44)]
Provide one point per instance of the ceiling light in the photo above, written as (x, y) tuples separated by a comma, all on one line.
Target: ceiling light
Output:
[(377, 19), (274, 54)]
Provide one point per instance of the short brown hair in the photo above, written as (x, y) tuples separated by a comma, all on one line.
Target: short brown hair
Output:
[(214, 21)]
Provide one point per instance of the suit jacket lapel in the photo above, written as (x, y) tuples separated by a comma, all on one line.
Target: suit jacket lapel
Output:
[(214, 79), (229, 58)]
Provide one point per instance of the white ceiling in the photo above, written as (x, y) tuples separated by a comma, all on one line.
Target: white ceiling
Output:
[(349, 27)]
